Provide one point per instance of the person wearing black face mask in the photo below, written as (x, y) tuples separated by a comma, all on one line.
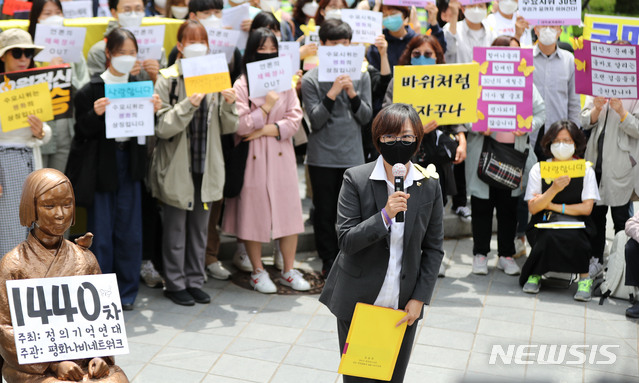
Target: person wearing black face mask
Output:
[(372, 243)]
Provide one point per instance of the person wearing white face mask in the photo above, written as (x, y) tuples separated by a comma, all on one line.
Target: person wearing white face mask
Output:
[(507, 22), (177, 9), (127, 13), (462, 36), (155, 8), (554, 78), (563, 199), (55, 153), (189, 133), (113, 198)]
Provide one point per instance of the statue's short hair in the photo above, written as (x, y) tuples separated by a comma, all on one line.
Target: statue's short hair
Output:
[(36, 184)]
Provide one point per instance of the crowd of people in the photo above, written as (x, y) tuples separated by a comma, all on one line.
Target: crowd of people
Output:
[(155, 204)]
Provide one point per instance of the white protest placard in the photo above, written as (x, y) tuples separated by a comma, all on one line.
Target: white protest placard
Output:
[(335, 61), (223, 41), (66, 318), (233, 17), (366, 25), (290, 49), (150, 41), (206, 74), (551, 12), (409, 3), (269, 75), (64, 42), (75, 9), (130, 110), (103, 9)]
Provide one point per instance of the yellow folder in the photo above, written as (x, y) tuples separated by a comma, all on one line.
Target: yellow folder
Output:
[(373, 342)]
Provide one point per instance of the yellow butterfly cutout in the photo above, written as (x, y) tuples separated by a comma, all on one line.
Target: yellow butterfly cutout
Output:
[(577, 43), (308, 28), (524, 123), (278, 14), (480, 115), (524, 68), (580, 65), (483, 67)]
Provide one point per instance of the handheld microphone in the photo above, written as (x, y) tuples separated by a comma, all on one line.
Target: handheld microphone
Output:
[(399, 172)]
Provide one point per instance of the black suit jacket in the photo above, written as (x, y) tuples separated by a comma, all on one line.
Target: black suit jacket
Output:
[(360, 267)]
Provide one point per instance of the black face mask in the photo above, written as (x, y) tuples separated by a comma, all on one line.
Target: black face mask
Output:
[(397, 153), (265, 56)]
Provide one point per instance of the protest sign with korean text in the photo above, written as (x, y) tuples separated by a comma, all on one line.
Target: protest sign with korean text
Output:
[(444, 93), (607, 70), (150, 41), (64, 42), (366, 25), (66, 318), (206, 74), (223, 41), (291, 50), (606, 29), (130, 110), (554, 169), (312, 61), (75, 9), (409, 3), (551, 12), (18, 104), (506, 83), (233, 17), (58, 79), (338, 60), (269, 75)]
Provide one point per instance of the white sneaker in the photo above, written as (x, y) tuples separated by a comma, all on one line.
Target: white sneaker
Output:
[(464, 214), (480, 264), (520, 247), (261, 281), (216, 270), (294, 279), (150, 275), (278, 258), (509, 266), (595, 269), (241, 259)]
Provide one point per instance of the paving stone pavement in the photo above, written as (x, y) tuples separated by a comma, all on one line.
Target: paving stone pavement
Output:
[(245, 336)]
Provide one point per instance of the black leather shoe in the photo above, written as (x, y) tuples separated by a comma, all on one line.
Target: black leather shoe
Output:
[(633, 312), (127, 306), (198, 295), (180, 297)]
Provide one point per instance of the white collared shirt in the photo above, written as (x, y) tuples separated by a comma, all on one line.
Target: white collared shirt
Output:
[(389, 293)]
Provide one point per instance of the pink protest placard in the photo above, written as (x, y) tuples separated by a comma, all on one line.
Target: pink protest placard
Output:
[(506, 83), (607, 70), (408, 3), (551, 12)]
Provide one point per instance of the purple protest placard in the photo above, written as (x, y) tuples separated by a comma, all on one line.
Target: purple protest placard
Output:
[(506, 81), (607, 70), (409, 3)]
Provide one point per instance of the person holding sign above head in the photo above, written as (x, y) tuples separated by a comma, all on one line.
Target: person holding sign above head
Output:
[(269, 203), (113, 197), (56, 152), (127, 14), (397, 32), (507, 22), (20, 148), (337, 111), (462, 36), (557, 200), (48, 208), (187, 171), (384, 260), (612, 148)]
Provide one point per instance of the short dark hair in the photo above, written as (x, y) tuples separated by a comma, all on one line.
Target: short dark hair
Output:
[(116, 38), (113, 4), (575, 133), (391, 120), (204, 5), (265, 20), (333, 29), (404, 10), (504, 41), (36, 11)]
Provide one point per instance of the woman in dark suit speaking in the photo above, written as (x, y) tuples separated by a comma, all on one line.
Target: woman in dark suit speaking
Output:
[(382, 261)]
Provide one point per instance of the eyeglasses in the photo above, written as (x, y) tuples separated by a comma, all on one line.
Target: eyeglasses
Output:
[(390, 139), (18, 52), (418, 54)]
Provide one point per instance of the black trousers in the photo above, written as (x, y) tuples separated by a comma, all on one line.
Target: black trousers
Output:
[(326, 184), (632, 263), (482, 223), (461, 198), (620, 214), (402, 358)]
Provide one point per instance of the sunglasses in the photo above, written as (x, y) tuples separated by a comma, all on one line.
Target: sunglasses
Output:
[(417, 54), (18, 52)]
